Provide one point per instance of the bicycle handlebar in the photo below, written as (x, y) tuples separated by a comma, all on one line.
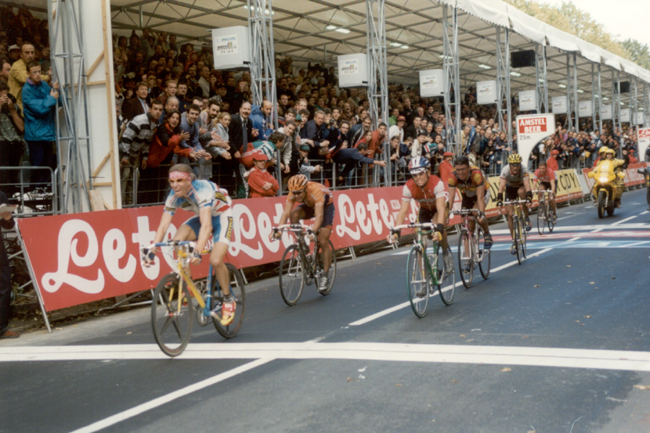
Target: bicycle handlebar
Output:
[(467, 212), (543, 190), (293, 228), (430, 226), (515, 202)]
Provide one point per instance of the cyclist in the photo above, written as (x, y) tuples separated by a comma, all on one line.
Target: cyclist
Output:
[(315, 202), (545, 178), (213, 218), (516, 184), (475, 190), (429, 191)]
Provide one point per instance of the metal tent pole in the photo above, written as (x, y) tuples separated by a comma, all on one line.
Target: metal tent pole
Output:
[(503, 82), (593, 96), (378, 73), (541, 83), (600, 100), (451, 77), (568, 93)]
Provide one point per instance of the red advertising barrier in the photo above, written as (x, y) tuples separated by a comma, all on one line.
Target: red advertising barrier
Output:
[(632, 177), (86, 257)]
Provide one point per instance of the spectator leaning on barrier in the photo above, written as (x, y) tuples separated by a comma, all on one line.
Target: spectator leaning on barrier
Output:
[(40, 131), (135, 143), (6, 222), (12, 144), (260, 181)]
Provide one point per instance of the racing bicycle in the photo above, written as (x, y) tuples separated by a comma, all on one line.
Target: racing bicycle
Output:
[(545, 215), (178, 299), (425, 271), (471, 247), (301, 265), (519, 228)]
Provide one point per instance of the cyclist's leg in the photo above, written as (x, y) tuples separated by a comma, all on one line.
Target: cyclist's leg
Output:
[(221, 234), (188, 231), (298, 213), (324, 235), (522, 195)]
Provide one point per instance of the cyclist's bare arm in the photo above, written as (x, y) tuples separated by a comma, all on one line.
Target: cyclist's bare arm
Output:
[(401, 215), (526, 184), (480, 198), (318, 216), (502, 185), (165, 221), (285, 213), (440, 206), (205, 216)]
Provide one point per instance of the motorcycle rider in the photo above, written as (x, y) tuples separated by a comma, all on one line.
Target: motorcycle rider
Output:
[(619, 165)]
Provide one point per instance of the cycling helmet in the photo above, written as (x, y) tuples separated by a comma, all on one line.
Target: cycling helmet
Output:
[(603, 150), (297, 183), (418, 165), (515, 158)]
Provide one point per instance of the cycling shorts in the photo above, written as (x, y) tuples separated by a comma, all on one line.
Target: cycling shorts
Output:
[(512, 192), (426, 215), (221, 227), (546, 186), (328, 214), (469, 202)]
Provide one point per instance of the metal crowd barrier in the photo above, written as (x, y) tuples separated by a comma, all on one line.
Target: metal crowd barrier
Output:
[(32, 198)]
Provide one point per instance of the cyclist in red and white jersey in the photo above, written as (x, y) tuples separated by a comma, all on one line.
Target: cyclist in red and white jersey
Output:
[(429, 191), (545, 178)]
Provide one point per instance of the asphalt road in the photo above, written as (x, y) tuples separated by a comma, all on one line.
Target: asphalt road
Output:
[(557, 344)]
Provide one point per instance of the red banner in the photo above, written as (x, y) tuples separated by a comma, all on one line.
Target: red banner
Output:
[(86, 257)]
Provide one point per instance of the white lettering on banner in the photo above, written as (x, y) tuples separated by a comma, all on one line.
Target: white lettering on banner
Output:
[(265, 227), (388, 219), (144, 237), (347, 216), (373, 208), (362, 222), (395, 204), (240, 233), (67, 249), (113, 249)]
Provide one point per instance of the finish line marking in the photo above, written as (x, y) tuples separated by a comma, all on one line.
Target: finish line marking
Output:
[(460, 283), (263, 353)]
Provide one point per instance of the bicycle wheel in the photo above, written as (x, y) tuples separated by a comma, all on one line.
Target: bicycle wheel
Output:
[(541, 216), (417, 282), (550, 220), (447, 278), (484, 256), (238, 291), (292, 275), (465, 260), (171, 315), (331, 275), (517, 234), (524, 237)]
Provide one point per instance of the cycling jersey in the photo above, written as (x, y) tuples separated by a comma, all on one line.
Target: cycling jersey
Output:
[(468, 187), (316, 193), (512, 180), (203, 194), (426, 196), (550, 175)]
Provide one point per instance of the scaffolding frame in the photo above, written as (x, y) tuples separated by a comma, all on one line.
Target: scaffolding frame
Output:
[(451, 77), (503, 82), (377, 73), (541, 84), (69, 69)]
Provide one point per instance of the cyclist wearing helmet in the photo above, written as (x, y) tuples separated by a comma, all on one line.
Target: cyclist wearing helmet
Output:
[(429, 191), (315, 202), (515, 181), (475, 191), (545, 178)]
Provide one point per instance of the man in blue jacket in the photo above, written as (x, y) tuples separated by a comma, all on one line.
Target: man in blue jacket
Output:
[(39, 102)]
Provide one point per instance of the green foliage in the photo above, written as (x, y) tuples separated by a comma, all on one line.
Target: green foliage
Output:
[(570, 19)]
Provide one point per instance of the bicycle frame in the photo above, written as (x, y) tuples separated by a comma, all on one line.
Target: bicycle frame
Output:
[(299, 231), (468, 214), (421, 242)]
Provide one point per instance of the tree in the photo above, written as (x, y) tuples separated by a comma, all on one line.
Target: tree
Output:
[(638, 52)]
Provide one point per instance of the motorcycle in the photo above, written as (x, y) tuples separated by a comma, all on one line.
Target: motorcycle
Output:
[(607, 187), (646, 174)]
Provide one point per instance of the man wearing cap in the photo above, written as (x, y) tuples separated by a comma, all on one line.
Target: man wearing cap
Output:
[(300, 162), (397, 129), (19, 74), (551, 162), (14, 54), (260, 181)]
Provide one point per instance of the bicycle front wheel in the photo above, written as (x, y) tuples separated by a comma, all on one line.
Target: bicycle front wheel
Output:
[(171, 315), (331, 274), (465, 259), (237, 291), (417, 282), (516, 230), (484, 256), (550, 219), (541, 216), (447, 277), (523, 236), (292, 275)]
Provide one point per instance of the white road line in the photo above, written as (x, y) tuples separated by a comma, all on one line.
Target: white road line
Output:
[(355, 350), (407, 304), (130, 413), (625, 220), (644, 212)]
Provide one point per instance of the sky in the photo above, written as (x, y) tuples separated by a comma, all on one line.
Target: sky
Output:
[(622, 18)]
